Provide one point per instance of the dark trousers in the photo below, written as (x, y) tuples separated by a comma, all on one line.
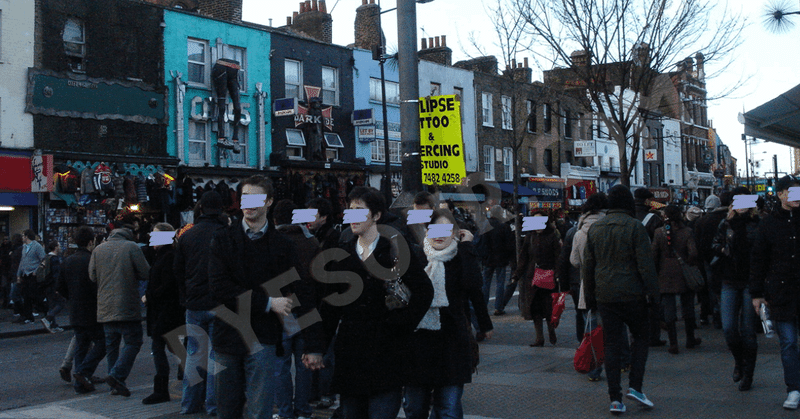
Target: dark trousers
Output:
[(29, 290), (668, 302), (90, 348), (615, 316), (159, 347), (226, 82)]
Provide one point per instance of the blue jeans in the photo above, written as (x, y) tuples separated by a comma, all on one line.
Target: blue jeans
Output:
[(120, 365), (379, 406), (245, 384), (90, 348), (499, 295), (446, 402), (199, 357), (615, 316), (790, 356), (738, 318), (292, 400)]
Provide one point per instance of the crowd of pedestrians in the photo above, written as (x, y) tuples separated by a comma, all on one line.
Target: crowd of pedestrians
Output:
[(267, 314)]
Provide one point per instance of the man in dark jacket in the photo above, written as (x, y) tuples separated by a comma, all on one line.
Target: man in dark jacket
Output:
[(192, 254), (620, 280), (499, 241), (775, 280), (705, 230), (292, 400), (75, 285), (322, 227), (648, 217), (246, 261)]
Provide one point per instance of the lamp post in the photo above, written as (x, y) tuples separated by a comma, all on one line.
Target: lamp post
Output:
[(380, 54)]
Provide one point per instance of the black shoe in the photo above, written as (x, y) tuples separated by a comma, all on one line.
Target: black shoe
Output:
[(82, 384), (480, 337), (118, 386), (737, 373), (65, 374), (97, 380), (692, 343), (499, 312), (746, 383)]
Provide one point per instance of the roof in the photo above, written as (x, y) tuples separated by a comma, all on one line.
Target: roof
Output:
[(778, 120)]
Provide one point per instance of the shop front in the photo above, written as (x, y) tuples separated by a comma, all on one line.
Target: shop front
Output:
[(548, 193), (18, 201)]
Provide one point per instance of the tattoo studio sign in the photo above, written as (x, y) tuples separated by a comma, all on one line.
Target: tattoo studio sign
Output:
[(441, 144)]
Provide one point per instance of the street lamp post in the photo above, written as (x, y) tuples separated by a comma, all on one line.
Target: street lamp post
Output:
[(381, 55)]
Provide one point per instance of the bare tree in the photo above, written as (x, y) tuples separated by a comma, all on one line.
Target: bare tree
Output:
[(622, 46)]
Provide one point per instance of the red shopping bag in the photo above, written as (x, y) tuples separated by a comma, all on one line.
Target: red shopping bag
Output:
[(559, 303), (590, 354)]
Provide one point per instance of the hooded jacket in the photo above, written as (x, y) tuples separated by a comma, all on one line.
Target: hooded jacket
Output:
[(775, 263), (585, 222), (117, 266)]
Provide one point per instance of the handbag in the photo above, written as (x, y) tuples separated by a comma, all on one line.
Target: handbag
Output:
[(691, 274), (559, 304), (544, 278), (590, 354), (397, 293)]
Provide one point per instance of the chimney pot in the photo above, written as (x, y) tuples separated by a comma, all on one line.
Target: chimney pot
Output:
[(322, 7), (526, 62), (314, 5), (289, 20), (424, 43), (308, 5), (513, 63), (363, 2), (302, 6), (444, 40), (295, 16), (430, 42)]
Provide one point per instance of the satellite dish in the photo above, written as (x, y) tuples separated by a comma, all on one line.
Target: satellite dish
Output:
[(740, 117)]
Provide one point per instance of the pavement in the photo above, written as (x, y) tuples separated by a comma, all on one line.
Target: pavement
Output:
[(517, 381), (12, 330)]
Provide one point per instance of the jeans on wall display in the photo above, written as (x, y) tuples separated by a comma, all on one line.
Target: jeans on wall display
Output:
[(225, 75)]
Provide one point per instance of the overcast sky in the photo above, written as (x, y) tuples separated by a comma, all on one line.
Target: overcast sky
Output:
[(772, 61)]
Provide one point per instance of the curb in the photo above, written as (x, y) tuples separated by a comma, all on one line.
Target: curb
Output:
[(28, 332)]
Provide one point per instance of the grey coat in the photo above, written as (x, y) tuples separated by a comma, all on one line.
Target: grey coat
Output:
[(117, 266)]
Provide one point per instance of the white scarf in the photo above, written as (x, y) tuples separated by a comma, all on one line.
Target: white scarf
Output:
[(435, 271)]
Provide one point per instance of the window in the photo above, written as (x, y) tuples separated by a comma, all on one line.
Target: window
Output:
[(239, 55), (548, 160), (508, 155), (547, 117), (505, 103), (198, 62), (436, 89), (531, 115), (486, 99), (295, 141), (333, 143), (240, 159), (531, 155), (488, 161), (567, 124), (330, 86), (611, 164), (74, 37), (568, 157), (392, 91), (378, 151), (198, 144), (459, 92), (293, 78)]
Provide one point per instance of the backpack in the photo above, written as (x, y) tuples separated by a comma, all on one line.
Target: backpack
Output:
[(43, 270)]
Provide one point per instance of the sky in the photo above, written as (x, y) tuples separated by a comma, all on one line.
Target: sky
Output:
[(768, 63)]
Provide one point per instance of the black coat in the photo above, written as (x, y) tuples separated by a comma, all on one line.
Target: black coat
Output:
[(444, 357), (238, 265), (74, 284), (164, 310), (372, 343), (500, 244), (732, 245), (642, 210), (704, 232), (192, 254), (775, 263)]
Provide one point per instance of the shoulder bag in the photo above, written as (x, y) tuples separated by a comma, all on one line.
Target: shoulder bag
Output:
[(692, 275)]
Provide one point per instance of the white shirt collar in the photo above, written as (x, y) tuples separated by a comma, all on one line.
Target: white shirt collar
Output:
[(370, 249)]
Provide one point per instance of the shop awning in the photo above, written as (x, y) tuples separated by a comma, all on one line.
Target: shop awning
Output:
[(509, 188), (18, 199), (777, 121)]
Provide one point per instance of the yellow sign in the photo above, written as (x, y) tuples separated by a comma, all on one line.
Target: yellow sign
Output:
[(441, 145), (760, 188)]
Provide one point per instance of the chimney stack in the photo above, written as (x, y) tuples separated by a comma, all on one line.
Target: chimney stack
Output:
[(313, 20), (228, 10), (288, 21), (424, 43), (526, 62), (367, 23), (519, 73), (444, 41), (436, 51), (322, 7)]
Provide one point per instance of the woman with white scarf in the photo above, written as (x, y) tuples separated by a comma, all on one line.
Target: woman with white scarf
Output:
[(441, 358)]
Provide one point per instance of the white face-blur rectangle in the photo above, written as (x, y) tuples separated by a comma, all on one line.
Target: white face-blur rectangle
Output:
[(355, 216), (253, 200), (535, 223), (162, 238), (300, 216)]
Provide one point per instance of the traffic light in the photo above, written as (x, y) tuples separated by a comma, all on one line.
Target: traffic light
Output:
[(769, 187)]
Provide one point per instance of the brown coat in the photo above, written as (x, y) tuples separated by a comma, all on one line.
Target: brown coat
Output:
[(542, 249), (670, 275)]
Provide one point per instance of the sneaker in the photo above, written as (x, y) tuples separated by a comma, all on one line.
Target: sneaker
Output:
[(223, 142), (57, 330), (639, 397), (82, 384), (47, 324), (792, 400), (277, 416), (325, 403), (236, 150), (28, 322), (617, 408), (118, 386)]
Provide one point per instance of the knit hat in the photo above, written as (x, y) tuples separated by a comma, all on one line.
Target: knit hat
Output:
[(712, 202), (693, 213)]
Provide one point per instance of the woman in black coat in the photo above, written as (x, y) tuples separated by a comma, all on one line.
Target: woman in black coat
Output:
[(164, 311), (372, 342), (440, 360)]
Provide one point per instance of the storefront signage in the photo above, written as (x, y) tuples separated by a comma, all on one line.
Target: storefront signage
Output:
[(15, 173), (42, 173), (546, 190), (441, 144), (366, 134), (284, 107), (660, 194), (585, 149), (362, 117), (74, 96), (303, 117), (651, 154)]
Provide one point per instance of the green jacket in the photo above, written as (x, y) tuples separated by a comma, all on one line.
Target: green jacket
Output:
[(618, 263)]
